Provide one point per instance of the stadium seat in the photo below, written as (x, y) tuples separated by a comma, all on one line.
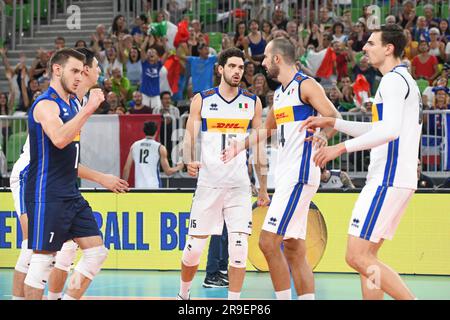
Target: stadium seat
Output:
[(215, 40), (422, 84), (26, 15), (14, 147)]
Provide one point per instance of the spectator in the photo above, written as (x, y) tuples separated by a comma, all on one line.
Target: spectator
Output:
[(119, 26), (325, 18), (407, 17), (335, 96), (279, 18), (267, 30), (420, 32), (344, 55), (98, 37), (240, 35), (425, 65), (256, 43), (80, 44), (60, 43), (335, 179), (113, 101), (27, 90), (202, 69), (390, 20), (197, 30), (150, 83), (136, 105), (437, 47), (120, 84), (111, 62), (260, 87), (169, 114), (359, 36), (249, 72), (134, 67), (217, 263), (140, 20), (346, 20), (39, 65), (447, 52), (367, 71), (423, 181), (444, 31), (428, 93), (411, 46), (338, 32), (429, 15), (147, 154), (125, 45), (314, 37)]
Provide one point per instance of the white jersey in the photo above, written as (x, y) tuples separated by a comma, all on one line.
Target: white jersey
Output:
[(223, 120), (395, 163), (21, 163), (272, 158), (334, 182), (146, 158), (295, 164)]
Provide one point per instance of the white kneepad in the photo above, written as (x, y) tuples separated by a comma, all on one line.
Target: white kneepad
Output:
[(193, 251), (238, 249), (91, 261), (39, 271), (23, 262), (66, 256)]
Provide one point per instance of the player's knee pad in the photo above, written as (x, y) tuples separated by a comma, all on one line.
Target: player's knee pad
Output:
[(238, 249), (193, 251), (91, 261), (65, 257), (39, 271), (23, 262)]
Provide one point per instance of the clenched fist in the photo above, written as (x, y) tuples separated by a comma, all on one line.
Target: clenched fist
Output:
[(96, 97)]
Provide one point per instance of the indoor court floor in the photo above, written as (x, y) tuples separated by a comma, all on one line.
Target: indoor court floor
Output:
[(142, 285)]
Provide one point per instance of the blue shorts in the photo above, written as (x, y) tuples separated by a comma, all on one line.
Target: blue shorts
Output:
[(50, 224)]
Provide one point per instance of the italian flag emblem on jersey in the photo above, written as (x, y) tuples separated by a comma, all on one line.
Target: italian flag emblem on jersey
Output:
[(290, 91), (243, 105)]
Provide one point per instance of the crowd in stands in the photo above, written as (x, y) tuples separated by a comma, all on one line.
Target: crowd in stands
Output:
[(157, 63)]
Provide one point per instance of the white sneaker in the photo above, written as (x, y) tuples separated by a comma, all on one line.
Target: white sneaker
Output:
[(179, 297)]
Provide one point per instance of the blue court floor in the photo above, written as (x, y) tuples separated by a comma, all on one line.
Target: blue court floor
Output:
[(114, 284)]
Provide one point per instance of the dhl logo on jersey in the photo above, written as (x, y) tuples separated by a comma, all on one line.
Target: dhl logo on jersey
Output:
[(227, 125), (283, 115)]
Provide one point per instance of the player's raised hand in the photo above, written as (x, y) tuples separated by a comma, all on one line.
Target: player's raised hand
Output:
[(193, 168), (327, 154), (96, 97), (312, 123), (231, 151), (113, 183)]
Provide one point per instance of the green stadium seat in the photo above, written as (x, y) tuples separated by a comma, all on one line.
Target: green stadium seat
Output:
[(26, 15), (44, 8), (215, 40), (422, 84), (14, 147)]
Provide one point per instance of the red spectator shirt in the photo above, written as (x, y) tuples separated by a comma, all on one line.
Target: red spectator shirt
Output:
[(425, 69)]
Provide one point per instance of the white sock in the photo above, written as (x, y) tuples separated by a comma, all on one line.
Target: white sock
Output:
[(283, 295), (18, 298), (307, 296), (234, 295), (54, 295), (184, 289), (67, 297)]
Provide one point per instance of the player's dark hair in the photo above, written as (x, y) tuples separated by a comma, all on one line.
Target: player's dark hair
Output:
[(162, 94), (229, 53), (62, 56), (150, 128), (89, 56), (393, 34), (285, 48)]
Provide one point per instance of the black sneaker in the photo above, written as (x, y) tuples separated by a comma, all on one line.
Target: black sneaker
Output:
[(223, 276), (214, 281)]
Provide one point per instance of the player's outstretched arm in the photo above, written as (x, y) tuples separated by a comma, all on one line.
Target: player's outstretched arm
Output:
[(168, 170), (352, 128), (109, 181), (46, 112), (127, 166), (192, 129)]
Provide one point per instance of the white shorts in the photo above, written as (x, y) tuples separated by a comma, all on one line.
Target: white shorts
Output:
[(18, 192), (152, 102), (211, 207), (378, 211), (288, 210)]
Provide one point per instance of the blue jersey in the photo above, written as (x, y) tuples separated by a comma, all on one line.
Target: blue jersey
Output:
[(53, 172)]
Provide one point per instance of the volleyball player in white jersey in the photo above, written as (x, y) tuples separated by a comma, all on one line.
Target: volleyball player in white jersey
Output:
[(393, 137), (147, 154), (296, 177), (223, 190)]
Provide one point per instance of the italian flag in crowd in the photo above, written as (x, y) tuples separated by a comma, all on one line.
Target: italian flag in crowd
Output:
[(243, 105), (106, 140)]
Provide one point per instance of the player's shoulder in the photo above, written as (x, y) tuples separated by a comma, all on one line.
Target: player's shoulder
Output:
[(300, 76), (248, 94), (208, 93)]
